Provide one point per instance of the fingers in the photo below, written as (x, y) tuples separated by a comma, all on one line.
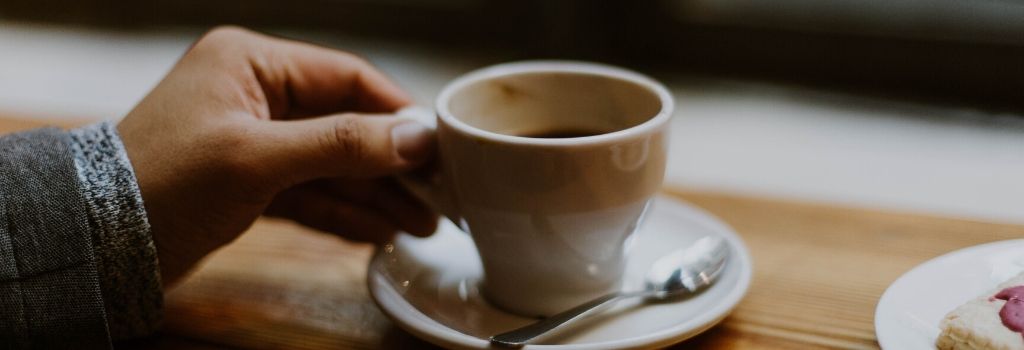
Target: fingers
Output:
[(315, 206), (300, 78), (387, 196), (346, 145), (323, 212)]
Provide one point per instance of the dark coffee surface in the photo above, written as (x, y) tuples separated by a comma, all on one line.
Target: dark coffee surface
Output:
[(562, 133)]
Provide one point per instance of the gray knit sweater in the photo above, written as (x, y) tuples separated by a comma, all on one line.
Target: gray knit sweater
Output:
[(78, 267)]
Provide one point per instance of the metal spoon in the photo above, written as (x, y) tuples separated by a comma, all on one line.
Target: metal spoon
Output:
[(683, 272)]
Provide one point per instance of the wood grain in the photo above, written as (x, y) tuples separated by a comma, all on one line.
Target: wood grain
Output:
[(12, 123), (820, 270), (818, 273)]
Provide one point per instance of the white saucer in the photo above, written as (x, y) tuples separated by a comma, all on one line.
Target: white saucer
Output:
[(429, 287), (909, 312)]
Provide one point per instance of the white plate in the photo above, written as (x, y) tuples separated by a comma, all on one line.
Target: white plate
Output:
[(909, 312), (429, 287)]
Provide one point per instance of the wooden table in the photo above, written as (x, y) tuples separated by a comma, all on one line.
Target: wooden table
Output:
[(818, 273)]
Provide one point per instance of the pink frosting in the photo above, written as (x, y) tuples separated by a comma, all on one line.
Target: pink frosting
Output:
[(1012, 312)]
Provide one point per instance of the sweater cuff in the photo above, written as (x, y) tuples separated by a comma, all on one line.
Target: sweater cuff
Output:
[(125, 254)]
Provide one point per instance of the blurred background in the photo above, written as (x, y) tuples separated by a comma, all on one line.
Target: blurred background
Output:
[(914, 105)]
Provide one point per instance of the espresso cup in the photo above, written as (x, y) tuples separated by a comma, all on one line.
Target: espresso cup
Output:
[(549, 166)]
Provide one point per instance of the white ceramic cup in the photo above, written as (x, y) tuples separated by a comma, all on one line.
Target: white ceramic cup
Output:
[(550, 217)]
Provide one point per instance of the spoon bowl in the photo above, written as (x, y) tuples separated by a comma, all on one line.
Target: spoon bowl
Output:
[(687, 271), (683, 272)]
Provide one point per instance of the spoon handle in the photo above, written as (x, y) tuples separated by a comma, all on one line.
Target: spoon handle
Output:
[(517, 338)]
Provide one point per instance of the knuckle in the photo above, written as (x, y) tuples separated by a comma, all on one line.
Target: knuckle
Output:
[(356, 59), (225, 39), (346, 139), (358, 62), (225, 33)]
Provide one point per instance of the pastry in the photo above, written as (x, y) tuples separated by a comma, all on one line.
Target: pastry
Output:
[(994, 320)]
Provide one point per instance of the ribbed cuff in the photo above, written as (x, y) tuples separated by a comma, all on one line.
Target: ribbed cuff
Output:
[(125, 255)]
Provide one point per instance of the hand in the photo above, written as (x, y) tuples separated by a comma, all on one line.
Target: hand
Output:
[(247, 124)]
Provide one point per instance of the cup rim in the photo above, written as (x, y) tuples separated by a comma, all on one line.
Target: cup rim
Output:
[(553, 66)]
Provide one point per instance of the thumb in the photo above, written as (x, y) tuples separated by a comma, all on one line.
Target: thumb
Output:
[(346, 145)]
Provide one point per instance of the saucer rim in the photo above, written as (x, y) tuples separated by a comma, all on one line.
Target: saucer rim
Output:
[(882, 324), (426, 328)]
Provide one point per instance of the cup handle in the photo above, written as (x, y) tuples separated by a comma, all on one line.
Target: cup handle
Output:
[(428, 185)]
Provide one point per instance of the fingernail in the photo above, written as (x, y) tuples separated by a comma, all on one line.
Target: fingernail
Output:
[(413, 141)]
